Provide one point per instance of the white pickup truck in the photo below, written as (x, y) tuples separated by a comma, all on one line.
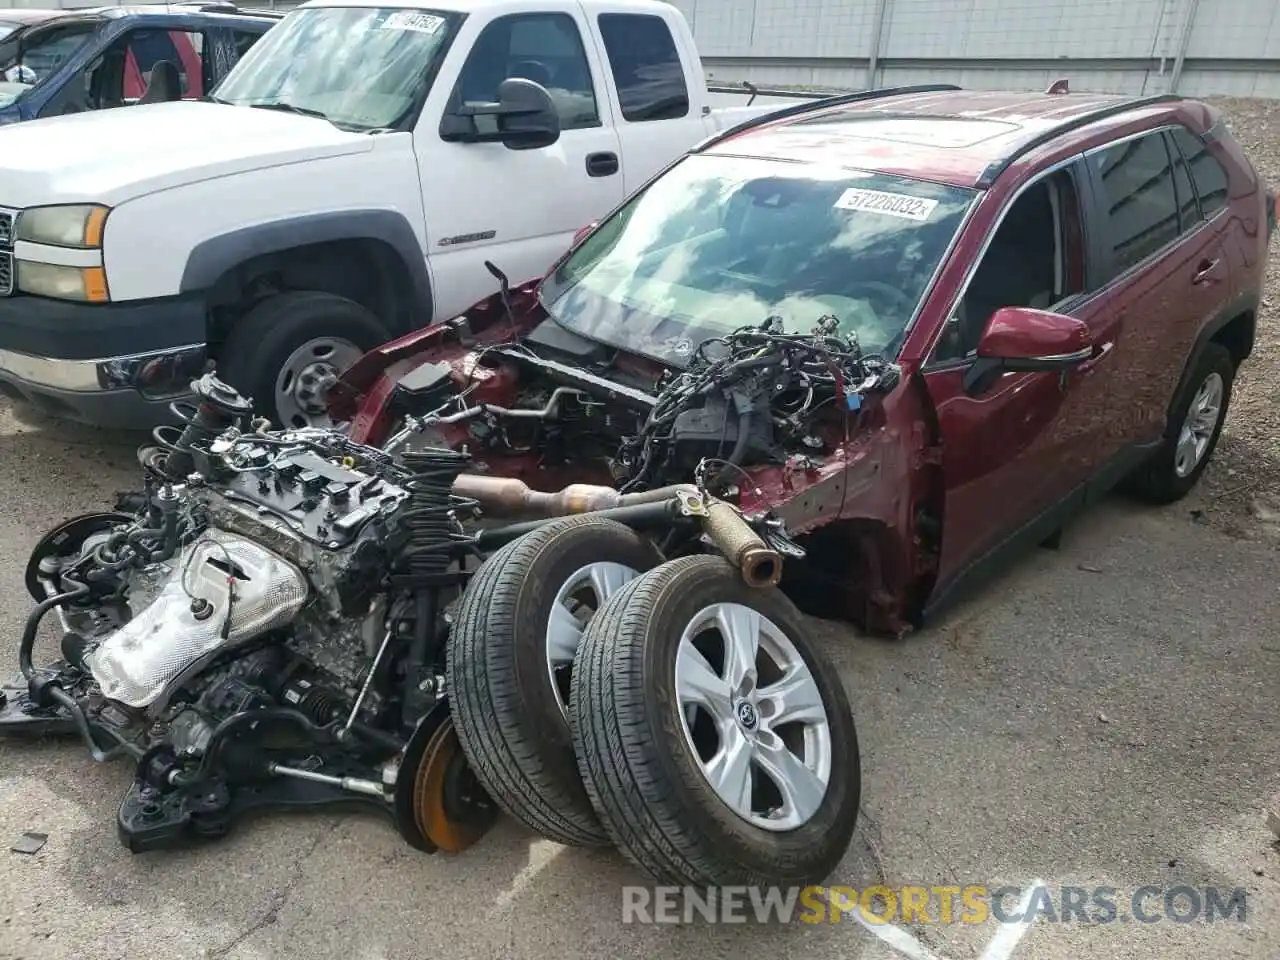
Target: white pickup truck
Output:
[(346, 183)]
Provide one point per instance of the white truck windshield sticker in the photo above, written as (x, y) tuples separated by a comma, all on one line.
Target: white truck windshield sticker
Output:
[(412, 20), (890, 204)]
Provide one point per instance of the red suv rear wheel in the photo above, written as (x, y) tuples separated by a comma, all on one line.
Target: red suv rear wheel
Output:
[(1195, 425)]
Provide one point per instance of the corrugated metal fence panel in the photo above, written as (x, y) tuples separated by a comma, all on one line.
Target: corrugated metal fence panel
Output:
[(1039, 29), (1236, 30), (781, 28), (1126, 46), (87, 4), (1231, 47)]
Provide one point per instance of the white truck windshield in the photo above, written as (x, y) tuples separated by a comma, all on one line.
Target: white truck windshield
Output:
[(719, 243), (359, 67)]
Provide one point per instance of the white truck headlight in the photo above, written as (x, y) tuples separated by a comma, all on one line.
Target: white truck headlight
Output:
[(88, 284), (77, 225)]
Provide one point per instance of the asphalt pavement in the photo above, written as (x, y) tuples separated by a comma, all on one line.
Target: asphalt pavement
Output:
[(1102, 716)]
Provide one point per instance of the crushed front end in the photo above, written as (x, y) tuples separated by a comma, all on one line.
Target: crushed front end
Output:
[(799, 426)]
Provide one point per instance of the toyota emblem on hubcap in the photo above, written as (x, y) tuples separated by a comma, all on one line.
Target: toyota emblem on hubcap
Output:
[(747, 715)]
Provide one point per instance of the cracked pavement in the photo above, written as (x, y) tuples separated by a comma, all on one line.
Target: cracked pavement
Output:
[(1102, 715)]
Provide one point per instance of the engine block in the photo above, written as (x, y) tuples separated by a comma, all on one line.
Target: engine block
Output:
[(334, 522), (306, 496), (278, 533), (263, 624)]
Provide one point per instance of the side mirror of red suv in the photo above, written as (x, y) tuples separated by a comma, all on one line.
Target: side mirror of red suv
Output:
[(1023, 339)]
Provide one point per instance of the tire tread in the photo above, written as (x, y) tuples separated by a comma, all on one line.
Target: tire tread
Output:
[(618, 748), (257, 337), (500, 739), (1154, 481)]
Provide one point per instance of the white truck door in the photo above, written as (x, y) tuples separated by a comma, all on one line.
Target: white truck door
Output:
[(657, 88), (517, 208)]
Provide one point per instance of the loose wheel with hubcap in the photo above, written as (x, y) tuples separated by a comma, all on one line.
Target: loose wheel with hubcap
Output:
[(510, 661), (715, 741), (1195, 425), (288, 350)]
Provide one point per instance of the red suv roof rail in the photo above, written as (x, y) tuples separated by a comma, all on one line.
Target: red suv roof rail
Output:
[(823, 103), (993, 171)]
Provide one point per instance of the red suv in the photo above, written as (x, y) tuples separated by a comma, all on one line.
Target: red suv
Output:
[(1051, 294)]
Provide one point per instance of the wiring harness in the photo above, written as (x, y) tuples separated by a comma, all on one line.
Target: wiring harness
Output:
[(759, 387)]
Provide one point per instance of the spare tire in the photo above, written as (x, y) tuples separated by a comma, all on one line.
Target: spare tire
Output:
[(510, 660), (714, 739)]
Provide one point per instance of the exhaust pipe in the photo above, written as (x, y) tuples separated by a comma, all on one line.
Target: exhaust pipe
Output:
[(724, 525), (504, 496), (507, 496), (760, 565)]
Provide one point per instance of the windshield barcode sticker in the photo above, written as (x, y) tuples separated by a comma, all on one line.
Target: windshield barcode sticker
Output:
[(413, 20), (889, 204)]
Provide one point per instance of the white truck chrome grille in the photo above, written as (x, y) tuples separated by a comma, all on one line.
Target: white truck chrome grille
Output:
[(8, 218)]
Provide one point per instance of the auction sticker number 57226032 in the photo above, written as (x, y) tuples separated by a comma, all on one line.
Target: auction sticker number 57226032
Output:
[(890, 204)]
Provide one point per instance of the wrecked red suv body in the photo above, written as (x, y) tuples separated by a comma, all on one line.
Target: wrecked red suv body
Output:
[(1057, 289)]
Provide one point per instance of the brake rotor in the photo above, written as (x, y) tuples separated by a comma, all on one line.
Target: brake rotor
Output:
[(450, 807), (68, 535)]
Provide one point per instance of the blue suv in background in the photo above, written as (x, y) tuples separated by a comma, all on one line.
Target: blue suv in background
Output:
[(54, 62)]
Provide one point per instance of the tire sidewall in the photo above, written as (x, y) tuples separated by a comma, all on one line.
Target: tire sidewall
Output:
[(580, 545), (1213, 359), (737, 839), (262, 340)]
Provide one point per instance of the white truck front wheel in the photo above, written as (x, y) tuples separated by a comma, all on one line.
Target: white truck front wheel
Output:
[(288, 350)]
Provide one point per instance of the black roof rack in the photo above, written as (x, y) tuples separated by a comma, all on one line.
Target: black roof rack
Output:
[(995, 169), (228, 7), (823, 103)]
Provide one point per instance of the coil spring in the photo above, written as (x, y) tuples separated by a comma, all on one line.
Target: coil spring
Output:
[(219, 407), (431, 501), (169, 454), (194, 426)]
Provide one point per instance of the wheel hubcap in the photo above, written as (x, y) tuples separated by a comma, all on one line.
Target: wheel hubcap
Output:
[(575, 604), (753, 716), (305, 379), (1198, 427)]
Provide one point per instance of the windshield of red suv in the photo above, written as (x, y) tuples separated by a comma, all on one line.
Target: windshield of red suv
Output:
[(719, 243)]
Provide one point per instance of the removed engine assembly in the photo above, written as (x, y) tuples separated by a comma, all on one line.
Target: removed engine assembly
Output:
[(288, 618)]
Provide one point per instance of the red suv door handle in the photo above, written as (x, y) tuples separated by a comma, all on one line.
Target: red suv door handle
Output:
[(1206, 271)]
